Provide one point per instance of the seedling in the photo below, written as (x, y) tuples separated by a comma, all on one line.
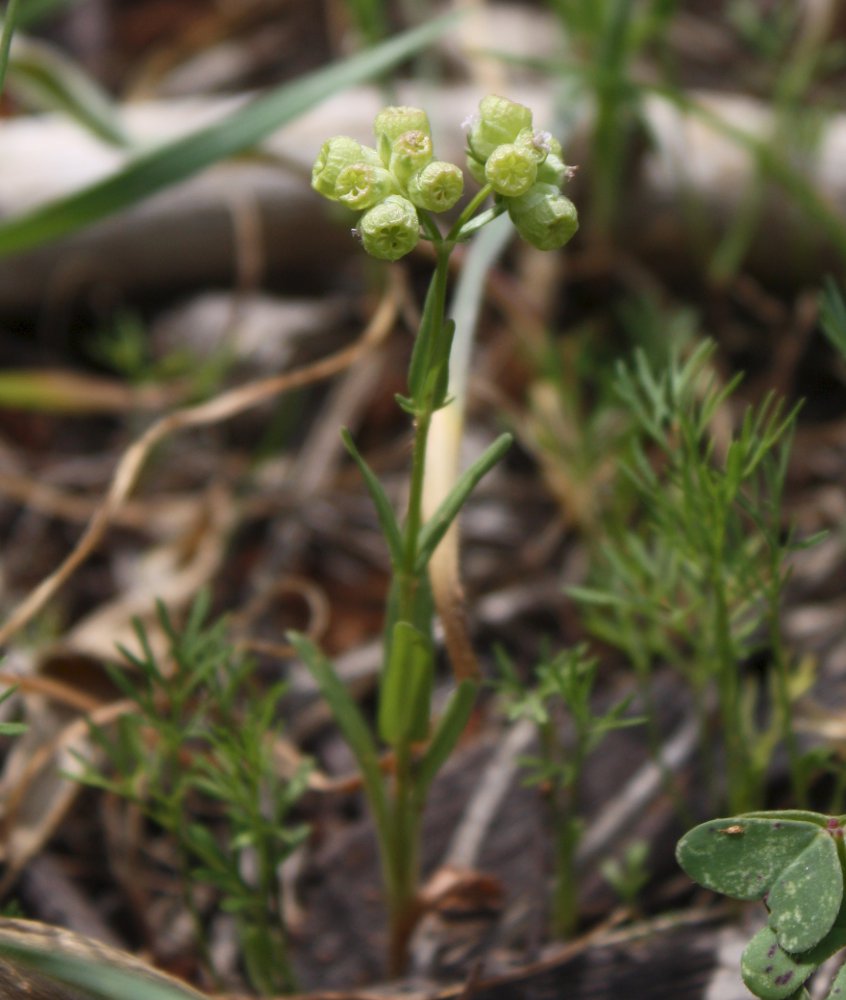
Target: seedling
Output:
[(559, 702), (698, 580), (200, 744), (396, 189), (794, 862)]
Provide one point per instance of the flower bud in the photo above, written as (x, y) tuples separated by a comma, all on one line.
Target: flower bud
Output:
[(437, 187), (499, 121), (536, 142), (510, 170), (336, 154), (362, 185), (554, 170), (391, 122), (411, 151), (390, 229), (544, 217)]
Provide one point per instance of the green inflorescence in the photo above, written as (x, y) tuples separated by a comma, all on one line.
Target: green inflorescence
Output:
[(398, 180)]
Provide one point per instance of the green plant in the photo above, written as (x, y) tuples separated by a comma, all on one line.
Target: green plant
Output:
[(602, 39), (10, 728), (697, 579), (196, 756), (398, 186), (794, 861), (628, 875), (562, 692), (44, 961), (11, 13)]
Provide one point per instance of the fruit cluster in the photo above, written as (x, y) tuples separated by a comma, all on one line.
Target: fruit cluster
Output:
[(391, 184)]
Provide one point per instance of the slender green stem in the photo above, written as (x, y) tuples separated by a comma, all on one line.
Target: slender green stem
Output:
[(468, 212), (402, 904), (422, 423), (782, 682), (414, 518), (401, 839), (742, 790), (10, 18)]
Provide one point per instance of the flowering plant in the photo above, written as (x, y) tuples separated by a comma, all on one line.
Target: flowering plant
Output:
[(397, 187)]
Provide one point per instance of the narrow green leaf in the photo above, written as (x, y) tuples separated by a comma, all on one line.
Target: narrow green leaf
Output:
[(34, 11), (45, 79), (10, 20), (438, 524), (446, 735), (384, 511), (406, 690), (441, 380), (349, 718), (97, 971), (833, 315), (421, 353), (174, 161)]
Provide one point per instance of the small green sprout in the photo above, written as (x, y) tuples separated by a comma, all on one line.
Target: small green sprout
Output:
[(560, 703), (196, 757), (628, 875)]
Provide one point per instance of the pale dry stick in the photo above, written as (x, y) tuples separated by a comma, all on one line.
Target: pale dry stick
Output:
[(442, 459), (55, 690), (631, 800), (466, 843), (223, 407)]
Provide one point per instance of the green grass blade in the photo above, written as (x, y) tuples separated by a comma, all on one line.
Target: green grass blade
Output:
[(833, 315), (350, 720), (48, 81), (384, 511), (34, 11), (177, 160), (10, 19), (447, 734), (92, 975), (438, 525)]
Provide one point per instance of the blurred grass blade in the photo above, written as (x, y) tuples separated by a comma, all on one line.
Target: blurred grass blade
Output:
[(44, 79), (447, 734), (436, 527), (174, 161), (384, 511), (34, 11), (103, 974), (56, 391), (10, 17), (350, 719), (833, 315)]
